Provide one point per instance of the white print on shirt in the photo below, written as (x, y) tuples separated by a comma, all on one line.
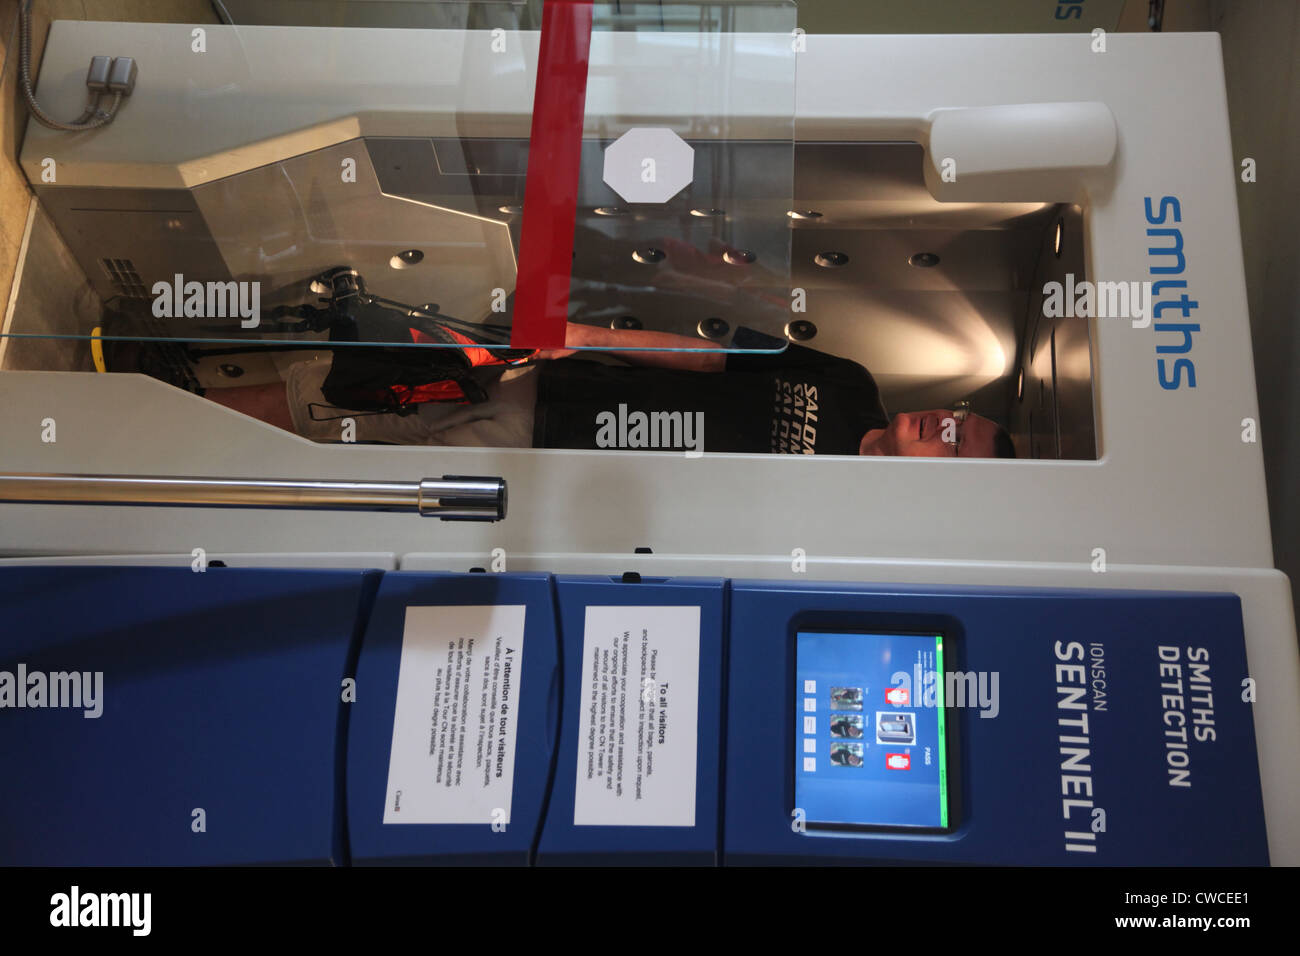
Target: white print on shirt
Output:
[(794, 414)]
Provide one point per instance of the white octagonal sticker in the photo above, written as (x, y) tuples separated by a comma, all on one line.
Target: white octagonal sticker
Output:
[(652, 164)]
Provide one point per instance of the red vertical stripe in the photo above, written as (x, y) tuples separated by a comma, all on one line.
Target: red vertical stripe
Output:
[(551, 187)]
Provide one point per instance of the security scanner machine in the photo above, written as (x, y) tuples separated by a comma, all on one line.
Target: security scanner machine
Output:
[(660, 649)]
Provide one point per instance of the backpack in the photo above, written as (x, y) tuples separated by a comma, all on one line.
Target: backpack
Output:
[(379, 379), (366, 375)]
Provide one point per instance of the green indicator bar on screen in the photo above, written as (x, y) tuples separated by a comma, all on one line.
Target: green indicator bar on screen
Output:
[(939, 682)]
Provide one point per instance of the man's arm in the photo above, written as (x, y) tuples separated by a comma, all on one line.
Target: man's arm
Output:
[(625, 343)]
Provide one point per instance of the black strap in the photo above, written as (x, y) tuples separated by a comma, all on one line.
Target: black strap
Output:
[(312, 406)]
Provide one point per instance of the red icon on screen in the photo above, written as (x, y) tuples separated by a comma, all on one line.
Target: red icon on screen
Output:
[(898, 761), (897, 696)]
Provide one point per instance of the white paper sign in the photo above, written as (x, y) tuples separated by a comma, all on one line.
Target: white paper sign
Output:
[(639, 717), (458, 685)]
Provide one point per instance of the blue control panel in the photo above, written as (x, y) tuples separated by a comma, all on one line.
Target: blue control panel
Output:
[(160, 716), (1085, 728), (174, 718)]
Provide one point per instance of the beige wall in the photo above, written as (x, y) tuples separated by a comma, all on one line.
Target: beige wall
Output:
[(13, 187), (14, 193)]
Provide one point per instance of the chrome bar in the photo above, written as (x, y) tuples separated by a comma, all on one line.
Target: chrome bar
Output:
[(452, 497)]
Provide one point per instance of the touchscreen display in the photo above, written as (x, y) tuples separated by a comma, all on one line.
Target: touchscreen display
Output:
[(870, 736)]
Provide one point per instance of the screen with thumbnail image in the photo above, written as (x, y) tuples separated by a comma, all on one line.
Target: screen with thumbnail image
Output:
[(870, 747)]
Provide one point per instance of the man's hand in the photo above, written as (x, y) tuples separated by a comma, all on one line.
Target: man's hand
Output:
[(555, 353)]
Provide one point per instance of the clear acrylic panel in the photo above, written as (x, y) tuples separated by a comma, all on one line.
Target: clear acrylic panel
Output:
[(318, 187), (699, 100)]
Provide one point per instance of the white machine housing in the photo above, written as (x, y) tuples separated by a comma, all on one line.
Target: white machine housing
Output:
[(1175, 500)]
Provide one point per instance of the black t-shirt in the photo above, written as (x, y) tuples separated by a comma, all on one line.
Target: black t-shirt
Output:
[(799, 402)]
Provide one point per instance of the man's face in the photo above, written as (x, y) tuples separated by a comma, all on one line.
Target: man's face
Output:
[(932, 434)]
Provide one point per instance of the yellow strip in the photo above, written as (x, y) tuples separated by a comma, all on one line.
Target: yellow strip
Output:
[(97, 350)]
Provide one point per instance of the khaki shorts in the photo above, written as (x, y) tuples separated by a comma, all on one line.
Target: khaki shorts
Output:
[(505, 420)]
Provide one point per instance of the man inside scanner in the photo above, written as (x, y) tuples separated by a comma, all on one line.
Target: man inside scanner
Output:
[(796, 401)]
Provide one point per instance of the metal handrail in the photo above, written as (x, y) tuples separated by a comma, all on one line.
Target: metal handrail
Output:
[(451, 498)]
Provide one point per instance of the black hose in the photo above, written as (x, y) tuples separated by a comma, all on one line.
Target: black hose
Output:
[(82, 122)]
